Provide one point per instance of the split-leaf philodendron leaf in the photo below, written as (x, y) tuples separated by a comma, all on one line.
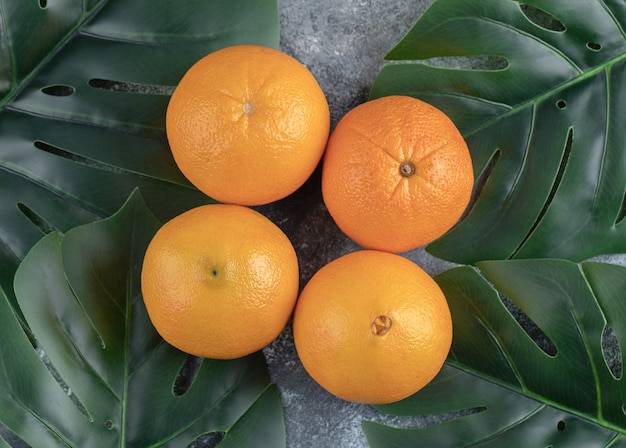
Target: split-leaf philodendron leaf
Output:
[(544, 120), (84, 86), (82, 126), (80, 296), (565, 391)]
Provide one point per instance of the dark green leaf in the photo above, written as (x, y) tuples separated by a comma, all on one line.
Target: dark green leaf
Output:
[(82, 106), (490, 416), (80, 295), (499, 376), (539, 95), (255, 429)]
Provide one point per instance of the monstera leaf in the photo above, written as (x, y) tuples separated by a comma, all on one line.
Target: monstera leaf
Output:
[(537, 88), (83, 90), (127, 387), (551, 384)]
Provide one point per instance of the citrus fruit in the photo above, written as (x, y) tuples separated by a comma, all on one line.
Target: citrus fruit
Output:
[(219, 281), (247, 124), (397, 174), (372, 327)]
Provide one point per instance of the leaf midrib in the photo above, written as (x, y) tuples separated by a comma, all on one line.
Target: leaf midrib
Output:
[(542, 97), (537, 397)]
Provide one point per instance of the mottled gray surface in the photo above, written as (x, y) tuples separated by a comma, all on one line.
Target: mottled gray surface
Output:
[(343, 43)]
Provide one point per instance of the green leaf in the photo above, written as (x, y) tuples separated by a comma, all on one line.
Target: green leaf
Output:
[(492, 416), (82, 106), (121, 380), (543, 120), (255, 429), (500, 376)]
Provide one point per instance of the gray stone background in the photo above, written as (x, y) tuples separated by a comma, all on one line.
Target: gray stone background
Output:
[(343, 43)]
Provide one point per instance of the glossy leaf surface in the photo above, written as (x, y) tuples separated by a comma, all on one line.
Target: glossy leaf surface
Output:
[(82, 106), (556, 388), (537, 90), (80, 295)]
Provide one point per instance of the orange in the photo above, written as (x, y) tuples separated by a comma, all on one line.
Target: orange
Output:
[(397, 174), (372, 327), (220, 281), (247, 124)]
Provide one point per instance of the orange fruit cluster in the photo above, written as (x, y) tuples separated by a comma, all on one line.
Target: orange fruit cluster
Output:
[(248, 125)]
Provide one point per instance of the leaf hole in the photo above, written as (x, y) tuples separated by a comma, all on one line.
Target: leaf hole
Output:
[(463, 413), (186, 375), (567, 148), (594, 46), (55, 374), (60, 152), (560, 426), (209, 440), (612, 352), (129, 87), (481, 180), (561, 104), (472, 62), (542, 18), (622, 211), (530, 327), (59, 90), (13, 440), (35, 218)]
